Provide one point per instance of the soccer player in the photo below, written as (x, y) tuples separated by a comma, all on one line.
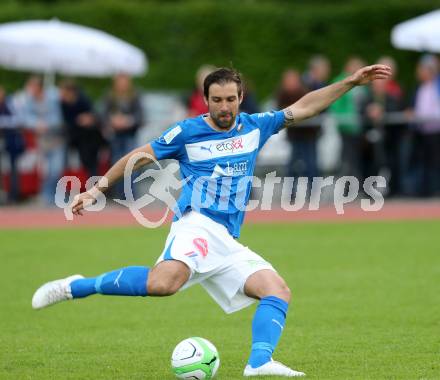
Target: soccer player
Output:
[(212, 149)]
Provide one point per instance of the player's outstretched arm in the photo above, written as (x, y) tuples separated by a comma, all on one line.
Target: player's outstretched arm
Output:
[(317, 101), (113, 175)]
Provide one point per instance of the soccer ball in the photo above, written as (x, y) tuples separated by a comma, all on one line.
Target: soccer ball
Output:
[(195, 358)]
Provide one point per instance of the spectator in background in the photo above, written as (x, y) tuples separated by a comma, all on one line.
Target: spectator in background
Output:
[(196, 103), (290, 90), (392, 87), (40, 111), (122, 116), (382, 144), (13, 143), (305, 139), (399, 139), (82, 125), (427, 107), (318, 73), (346, 111), (249, 103)]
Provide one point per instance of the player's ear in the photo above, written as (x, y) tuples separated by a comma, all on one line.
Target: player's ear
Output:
[(240, 99), (205, 99)]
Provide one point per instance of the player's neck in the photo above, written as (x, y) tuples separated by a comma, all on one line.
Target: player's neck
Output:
[(213, 125)]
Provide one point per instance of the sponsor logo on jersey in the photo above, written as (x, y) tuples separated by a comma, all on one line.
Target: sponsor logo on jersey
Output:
[(172, 134), (230, 145), (211, 149), (232, 169), (206, 148), (263, 114)]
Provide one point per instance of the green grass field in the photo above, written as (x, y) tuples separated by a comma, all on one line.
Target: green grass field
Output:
[(366, 304)]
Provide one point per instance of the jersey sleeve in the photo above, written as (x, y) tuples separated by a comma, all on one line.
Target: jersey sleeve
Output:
[(170, 144), (269, 123)]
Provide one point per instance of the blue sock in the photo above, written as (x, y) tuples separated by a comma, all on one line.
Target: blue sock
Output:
[(83, 287), (267, 327), (129, 281)]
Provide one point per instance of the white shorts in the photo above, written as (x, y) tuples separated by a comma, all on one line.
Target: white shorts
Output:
[(216, 260)]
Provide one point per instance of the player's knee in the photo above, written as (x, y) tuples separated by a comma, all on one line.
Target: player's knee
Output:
[(167, 278), (162, 287), (281, 291), (284, 293)]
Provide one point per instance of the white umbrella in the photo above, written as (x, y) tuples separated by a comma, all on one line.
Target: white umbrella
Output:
[(421, 33), (59, 47)]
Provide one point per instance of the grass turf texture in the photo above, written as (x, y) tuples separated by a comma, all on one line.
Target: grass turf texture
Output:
[(366, 304)]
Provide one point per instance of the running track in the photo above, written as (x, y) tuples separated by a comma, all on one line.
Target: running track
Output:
[(23, 218)]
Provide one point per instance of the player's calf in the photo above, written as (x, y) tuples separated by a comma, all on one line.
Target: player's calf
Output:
[(128, 281), (268, 323), (164, 279), (167, 277)]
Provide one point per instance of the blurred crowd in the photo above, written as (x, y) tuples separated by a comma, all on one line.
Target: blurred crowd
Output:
[(54, 121), (383, 129)]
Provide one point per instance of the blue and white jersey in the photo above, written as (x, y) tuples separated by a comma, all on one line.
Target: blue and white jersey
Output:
[(217, 167)]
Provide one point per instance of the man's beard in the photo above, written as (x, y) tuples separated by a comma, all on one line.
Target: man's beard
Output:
[(224, 123)]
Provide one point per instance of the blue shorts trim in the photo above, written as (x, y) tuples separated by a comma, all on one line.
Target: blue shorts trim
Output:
[(167, 255)]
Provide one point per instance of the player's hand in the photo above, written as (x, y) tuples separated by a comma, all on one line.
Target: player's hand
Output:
[(369, 73), (81, 201)]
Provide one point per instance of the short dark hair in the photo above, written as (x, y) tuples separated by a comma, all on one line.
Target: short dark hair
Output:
[(68, 85), (222, 76)]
